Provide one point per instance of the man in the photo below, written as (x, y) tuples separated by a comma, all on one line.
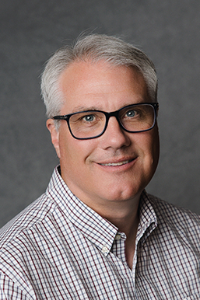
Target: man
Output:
[(96, 233)]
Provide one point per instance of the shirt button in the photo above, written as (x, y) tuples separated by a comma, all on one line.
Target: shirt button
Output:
[(117, 237), (105, 249)]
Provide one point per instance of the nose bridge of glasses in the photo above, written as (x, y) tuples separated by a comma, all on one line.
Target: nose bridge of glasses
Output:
[(113, 114)]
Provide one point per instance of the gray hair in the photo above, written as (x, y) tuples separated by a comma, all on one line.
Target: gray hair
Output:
[(94, 47)]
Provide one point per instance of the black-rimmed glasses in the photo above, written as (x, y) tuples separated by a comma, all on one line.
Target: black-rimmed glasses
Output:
[(91, 124)]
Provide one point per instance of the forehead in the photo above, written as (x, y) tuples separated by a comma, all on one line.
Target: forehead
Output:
[(100, 84)]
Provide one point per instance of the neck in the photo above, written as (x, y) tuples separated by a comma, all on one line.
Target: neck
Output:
[(123, 214), (126, 219)]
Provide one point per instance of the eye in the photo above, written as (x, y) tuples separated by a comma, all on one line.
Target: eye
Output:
[(89, 118), (131, 113)]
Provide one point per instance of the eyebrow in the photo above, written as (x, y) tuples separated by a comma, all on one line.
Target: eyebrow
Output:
[(84, 108)]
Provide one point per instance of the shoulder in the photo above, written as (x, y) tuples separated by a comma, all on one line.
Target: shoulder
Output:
[(171, 213), (20, 238), (32, 215), (178, 222)]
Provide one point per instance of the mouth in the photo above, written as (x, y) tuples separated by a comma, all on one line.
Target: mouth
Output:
[(116, 164)]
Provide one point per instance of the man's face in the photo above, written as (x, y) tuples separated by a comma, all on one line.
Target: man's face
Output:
[(93, 169)]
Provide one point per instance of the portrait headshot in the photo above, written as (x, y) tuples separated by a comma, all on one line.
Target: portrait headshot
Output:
[(100, 152)]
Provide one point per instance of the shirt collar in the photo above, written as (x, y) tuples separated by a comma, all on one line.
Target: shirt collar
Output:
[(148, 218)]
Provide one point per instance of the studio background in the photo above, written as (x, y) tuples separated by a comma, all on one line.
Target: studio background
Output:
[(167, 31)]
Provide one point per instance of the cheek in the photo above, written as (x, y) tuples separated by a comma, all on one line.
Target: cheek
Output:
[(148, 144), (67, 149), (75, 153)]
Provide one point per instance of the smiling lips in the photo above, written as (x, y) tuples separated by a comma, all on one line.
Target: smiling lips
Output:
[(115, 164)]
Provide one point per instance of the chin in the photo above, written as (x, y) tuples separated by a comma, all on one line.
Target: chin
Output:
[(124, 194)]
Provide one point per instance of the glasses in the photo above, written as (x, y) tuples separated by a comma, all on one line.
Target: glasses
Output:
[(90, 124)]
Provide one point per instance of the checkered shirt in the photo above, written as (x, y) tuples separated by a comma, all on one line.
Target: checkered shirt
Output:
[(58, 248)]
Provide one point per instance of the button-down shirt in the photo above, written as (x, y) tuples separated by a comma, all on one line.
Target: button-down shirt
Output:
[(59, 248)]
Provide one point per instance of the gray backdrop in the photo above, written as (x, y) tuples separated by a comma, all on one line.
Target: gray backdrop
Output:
[(168, 31)]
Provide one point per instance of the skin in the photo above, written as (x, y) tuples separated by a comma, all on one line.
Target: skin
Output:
[(112, 191)]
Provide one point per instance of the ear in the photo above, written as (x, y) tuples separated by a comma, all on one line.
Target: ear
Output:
[(54, 135)]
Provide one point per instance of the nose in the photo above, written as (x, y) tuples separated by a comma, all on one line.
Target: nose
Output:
[(114, 136)]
